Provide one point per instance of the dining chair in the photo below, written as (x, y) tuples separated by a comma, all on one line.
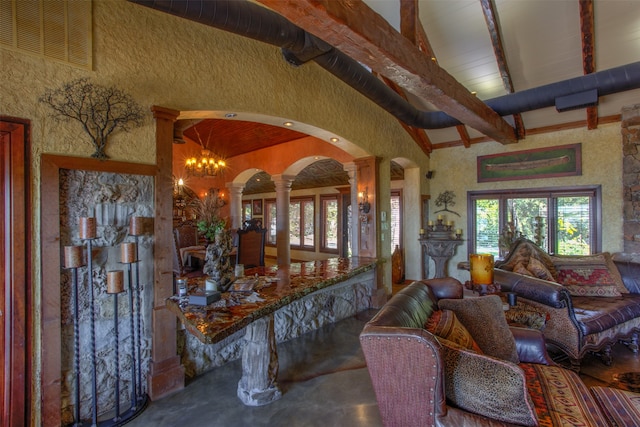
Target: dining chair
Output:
[(250, 250)]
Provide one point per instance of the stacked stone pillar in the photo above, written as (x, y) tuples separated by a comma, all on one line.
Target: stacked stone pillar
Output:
[(630, 128)]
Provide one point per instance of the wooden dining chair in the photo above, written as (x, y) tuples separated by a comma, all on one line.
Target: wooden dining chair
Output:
[(185, 236), (250, 251)]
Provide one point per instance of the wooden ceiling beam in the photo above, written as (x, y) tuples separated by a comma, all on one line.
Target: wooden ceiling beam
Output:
[(356, 30), (587, 26), (419, 136), (491, 18)]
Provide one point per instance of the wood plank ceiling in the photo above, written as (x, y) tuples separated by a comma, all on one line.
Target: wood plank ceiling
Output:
[(451, 55)]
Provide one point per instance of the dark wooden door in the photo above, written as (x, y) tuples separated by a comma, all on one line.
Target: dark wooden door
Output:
[(14, 264)]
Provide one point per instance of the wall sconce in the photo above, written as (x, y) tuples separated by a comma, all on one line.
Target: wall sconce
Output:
[(364, 206), (218, 197)]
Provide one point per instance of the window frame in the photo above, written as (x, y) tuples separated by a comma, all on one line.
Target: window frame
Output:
[(323, 220), (594, 192), (267, 221), (303, 200)]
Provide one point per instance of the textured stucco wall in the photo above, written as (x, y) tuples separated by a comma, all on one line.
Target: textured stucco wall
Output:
[(163, 60), (601, 164)]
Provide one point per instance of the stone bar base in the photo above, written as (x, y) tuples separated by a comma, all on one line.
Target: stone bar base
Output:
[(315, 310), (259, 364)]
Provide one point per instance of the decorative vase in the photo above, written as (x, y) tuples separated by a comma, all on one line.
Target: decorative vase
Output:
[(217, 263)]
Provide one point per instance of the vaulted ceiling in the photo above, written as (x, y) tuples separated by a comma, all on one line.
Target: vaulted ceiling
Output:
[(471, 71)]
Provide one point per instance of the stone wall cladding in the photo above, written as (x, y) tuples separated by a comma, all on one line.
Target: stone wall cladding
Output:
[(630, 129)]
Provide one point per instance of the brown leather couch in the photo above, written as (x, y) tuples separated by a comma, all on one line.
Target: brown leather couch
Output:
[(577, 325), (412, 375)]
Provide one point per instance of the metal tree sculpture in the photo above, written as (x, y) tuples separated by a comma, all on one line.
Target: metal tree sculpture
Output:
[(446, 198), (100, 110)]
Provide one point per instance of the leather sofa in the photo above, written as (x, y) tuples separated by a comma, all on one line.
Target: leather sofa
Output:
[(578, 324), (415, 380)]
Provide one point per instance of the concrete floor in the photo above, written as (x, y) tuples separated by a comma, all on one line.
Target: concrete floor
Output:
[(324, 381), (322, 375)]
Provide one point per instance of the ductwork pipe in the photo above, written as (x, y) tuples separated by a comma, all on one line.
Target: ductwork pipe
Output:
[(256, 22)]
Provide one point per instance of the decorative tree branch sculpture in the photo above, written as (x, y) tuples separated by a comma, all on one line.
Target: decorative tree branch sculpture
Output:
[(446, 198), (100, 110)]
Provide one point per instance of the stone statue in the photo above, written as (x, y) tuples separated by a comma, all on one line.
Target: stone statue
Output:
[(217, 263)]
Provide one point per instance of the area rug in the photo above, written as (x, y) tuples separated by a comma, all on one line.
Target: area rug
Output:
[(627, 381)]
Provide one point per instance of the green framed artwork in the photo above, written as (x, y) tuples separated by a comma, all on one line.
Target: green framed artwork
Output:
[(563, 160)]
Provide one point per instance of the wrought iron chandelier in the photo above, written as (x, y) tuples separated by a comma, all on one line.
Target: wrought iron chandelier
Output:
[(207, 164)]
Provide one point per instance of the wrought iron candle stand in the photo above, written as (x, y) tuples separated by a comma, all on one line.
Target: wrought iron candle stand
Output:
[(115, 285), (136, 229), (88, 233), (73, 259)]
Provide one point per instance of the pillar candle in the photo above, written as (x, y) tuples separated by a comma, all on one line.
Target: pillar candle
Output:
[(440, 217), (128, 252), (481, 269), (87, 228), (422, 231), (115, 281), (459, 231), (430, 223), (73, 257), (136, 225)]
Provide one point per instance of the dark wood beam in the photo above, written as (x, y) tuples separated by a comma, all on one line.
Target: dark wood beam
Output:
[(588, 52), (418, 135), (355, 29), (491, 18), (464, 136)]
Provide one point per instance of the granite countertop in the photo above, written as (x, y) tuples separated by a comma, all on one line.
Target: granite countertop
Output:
[(275, 288)]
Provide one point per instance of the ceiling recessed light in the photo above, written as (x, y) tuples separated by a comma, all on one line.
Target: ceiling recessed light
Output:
[(334, 139), (230, 115), (288, 123)]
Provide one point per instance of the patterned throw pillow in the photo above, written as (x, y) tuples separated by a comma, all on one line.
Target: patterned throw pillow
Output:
[(445, 324), (589, 272), (537, 269), (484, 319), (486, 386), (522, 251)]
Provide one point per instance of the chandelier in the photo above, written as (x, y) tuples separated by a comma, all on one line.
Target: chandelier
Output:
[(205, 165)]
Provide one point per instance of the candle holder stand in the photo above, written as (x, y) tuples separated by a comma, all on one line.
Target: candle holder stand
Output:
[(92, 311), (438, 243)]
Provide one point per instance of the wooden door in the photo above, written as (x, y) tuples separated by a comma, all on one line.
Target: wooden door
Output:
[(14, 298)]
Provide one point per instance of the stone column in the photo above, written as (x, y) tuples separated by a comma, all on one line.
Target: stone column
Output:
[(630, 128), (166, 373), (352, 170), (283, 198), (235, 203)]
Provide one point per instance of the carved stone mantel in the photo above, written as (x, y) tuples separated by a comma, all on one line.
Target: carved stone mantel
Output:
[(441, 250)]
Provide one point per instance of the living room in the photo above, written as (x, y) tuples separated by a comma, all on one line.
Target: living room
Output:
[(175, 67)]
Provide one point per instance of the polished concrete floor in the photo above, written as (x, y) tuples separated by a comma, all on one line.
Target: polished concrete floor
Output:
[(324, 381), (322, 375)]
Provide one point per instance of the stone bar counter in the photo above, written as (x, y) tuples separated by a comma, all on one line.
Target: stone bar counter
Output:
[(287, 301)]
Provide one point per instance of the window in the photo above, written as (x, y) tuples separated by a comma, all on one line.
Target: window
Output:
[(270, 221), (301, 223), (246, 210), (563, 221), (396, 219), (330, 224)]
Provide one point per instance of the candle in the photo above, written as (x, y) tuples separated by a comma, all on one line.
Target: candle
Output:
[(87, 228), (450, 223), (115, 281), (481, 269), (136, 225), (440, 217), (459, 231), (422, 231), (430, 223), (73, 257), (128, 252)]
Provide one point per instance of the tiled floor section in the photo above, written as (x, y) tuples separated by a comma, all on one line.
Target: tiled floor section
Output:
[(324, 382)]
